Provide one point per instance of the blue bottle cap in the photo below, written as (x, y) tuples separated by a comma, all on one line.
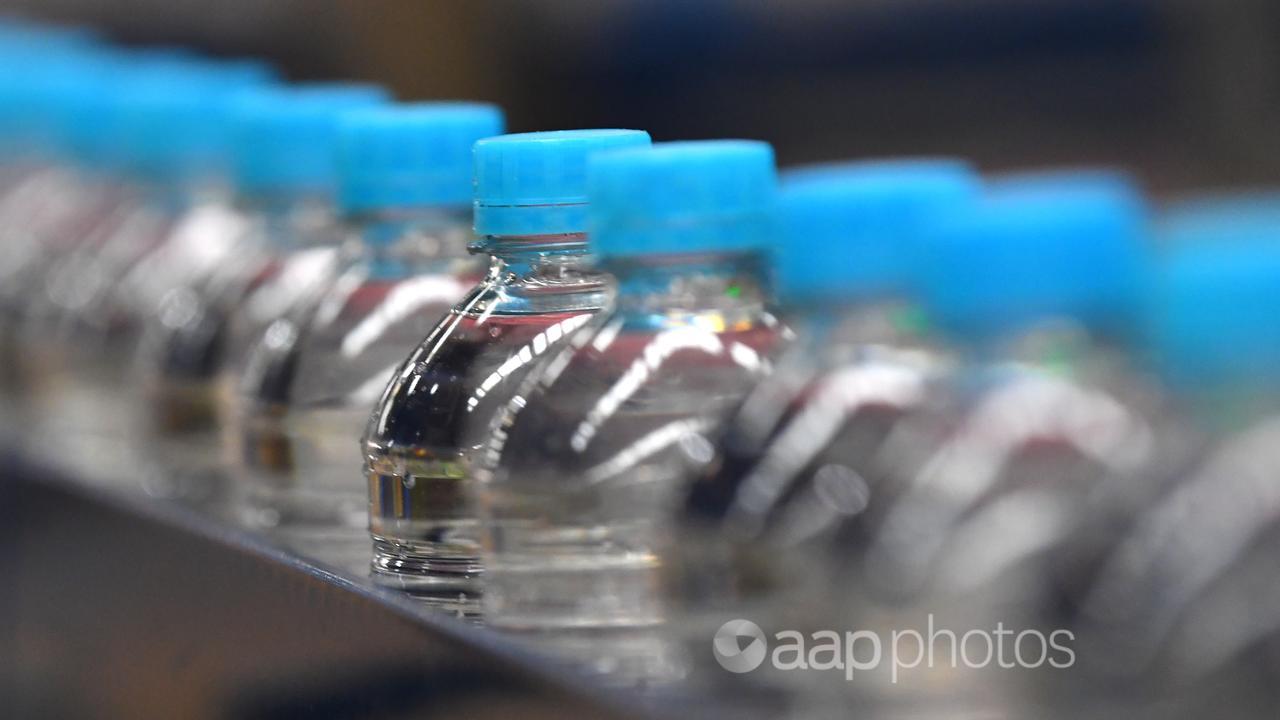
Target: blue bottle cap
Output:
[(286, 139), (1070, 247), (42, 39), (1219, 218), (536, 183), (848, 230), (111, 107), (411, 155), (37, 93), (241, 71), (831, 169), (1087, 180), (682, 197), (91, 111), (1211, 311), (176, 126)]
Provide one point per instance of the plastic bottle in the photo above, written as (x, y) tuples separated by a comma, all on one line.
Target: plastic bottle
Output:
[(586, 464), (307, 386), (83, 159), (77, 339), (799, 466), (286, 178), (79, 189), (1035, 454), (1185, 601), (1038, 287), (48, 203), (530, 212)]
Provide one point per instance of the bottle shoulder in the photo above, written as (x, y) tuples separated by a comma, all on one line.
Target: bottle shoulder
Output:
[(628, 389), (444, 394), (362, 329)]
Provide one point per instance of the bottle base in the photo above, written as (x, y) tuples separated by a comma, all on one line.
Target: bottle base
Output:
[(446, 582)]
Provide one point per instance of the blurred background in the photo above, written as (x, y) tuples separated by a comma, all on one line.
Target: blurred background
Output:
[(1184, 92)]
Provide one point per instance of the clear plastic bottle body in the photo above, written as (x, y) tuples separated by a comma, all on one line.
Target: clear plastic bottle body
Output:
[(23, 216), (295, 269), (189, 335), (1028, 463), (209, 234), (14, 169), (51, 211), (1202, 555), (307, 386), (101, 330), (205, 236), (1054, 416), (83, 340), (301, 255), (877, 479), (57, 205), (801, 472), (434, 415), (44, 216), (96, 293), (841, 363), (1184, 608), (585, 467)]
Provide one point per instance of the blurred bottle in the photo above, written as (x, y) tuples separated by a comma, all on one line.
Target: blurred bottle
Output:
[(585, 466), (287, 245), (797, 474), (1042, 446), (36, 65), (195, 154), (80, 189), (1185, 608), (307, 386), (170, 129), (71, 111), (530, 211), (49, 198), (1038, 287), (765, 526)]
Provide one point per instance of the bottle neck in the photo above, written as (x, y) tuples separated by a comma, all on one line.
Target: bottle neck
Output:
[(521, 250), (403, 242), (729, 285), (875, 318), (177, 194), (1225, 408), (292, 221), (1058, 347), (543, 273)]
